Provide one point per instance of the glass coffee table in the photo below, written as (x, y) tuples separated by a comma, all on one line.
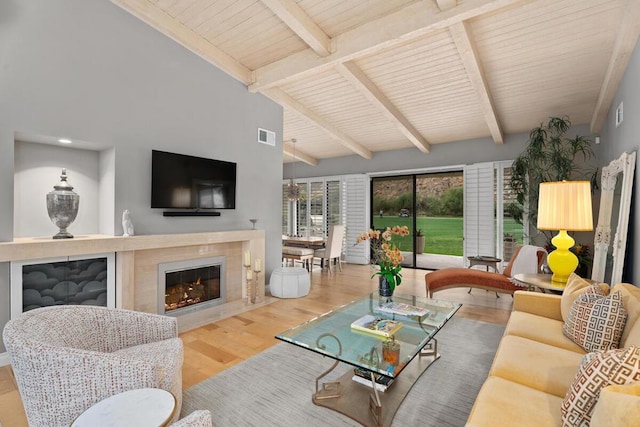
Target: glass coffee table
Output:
[(331, 335)]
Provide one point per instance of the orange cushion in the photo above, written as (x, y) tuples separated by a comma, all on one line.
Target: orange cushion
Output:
[(468, 276)]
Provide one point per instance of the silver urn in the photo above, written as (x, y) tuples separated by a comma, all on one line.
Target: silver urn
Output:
[(62, 206)]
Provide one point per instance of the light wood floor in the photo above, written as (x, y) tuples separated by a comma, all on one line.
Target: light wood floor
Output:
[(217, 346)]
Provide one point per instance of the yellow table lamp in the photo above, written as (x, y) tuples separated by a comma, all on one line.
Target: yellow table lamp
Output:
[(564, 206)]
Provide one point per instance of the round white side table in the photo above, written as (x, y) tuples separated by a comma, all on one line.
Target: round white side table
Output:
[(141, 407), (540, 281)]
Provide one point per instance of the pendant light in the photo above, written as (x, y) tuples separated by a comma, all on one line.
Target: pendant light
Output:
[(293, 189)]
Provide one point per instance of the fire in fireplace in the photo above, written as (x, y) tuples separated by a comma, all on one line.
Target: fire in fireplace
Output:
[(192, 283)]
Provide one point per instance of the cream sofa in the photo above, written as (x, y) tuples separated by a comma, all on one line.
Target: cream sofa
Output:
[(535, 363)]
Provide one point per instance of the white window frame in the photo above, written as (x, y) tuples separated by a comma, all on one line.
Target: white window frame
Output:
[(353, 211)]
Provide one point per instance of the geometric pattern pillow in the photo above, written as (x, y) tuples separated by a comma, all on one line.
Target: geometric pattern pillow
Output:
[(599, 370), (595, 322), (575, 287)]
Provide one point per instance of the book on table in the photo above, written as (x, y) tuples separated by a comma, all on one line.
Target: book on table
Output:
[(402, 309), (364, 377), (376, 325)]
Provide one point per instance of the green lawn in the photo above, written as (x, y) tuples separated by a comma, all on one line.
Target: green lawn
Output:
[(443, 235)]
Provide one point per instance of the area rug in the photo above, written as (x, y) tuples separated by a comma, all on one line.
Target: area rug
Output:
[(274, 387)]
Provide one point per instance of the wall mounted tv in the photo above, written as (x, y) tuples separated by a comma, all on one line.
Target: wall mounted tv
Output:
[(179, 181)]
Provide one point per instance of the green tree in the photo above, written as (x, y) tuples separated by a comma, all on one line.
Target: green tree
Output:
[(382, 204), (453, 202), (405, 201), (433, 206)]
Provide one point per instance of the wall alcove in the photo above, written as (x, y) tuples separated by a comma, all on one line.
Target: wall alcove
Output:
[(38, 163)]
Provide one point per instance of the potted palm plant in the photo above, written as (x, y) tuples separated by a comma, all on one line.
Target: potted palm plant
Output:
[(550, 155)]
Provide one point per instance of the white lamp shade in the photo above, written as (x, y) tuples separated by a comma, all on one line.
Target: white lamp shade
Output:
[(565, 205)]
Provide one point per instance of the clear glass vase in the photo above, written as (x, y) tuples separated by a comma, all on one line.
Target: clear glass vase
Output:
[(384, 289)]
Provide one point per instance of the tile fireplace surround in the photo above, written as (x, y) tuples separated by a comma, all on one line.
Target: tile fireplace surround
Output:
[(137, 259)]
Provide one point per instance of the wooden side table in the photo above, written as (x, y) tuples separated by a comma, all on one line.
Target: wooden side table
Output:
[(540, 281), (488, 261), (141, 407)]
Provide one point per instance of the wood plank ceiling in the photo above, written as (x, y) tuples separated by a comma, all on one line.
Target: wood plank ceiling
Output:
[(361, 76)]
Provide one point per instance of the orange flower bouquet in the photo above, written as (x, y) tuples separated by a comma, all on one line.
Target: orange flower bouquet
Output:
[(386, 254)]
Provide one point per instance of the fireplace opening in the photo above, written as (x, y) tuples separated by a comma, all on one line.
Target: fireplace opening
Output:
[(191, 285)]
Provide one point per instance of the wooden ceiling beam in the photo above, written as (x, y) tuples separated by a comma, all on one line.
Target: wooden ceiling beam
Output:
[(470, 58), (354, 75), (170, 27), (406, 24), (289, 150), (301, 24), (284, 99), (446, 4), (622, 50)]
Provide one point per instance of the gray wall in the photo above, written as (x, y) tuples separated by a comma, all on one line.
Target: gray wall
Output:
[(441, 155), (88, 70), (455, 153), (626, 138)]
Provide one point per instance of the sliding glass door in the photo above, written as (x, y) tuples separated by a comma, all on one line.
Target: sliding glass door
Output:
[(393, 203), (431, 206), (439, 198)]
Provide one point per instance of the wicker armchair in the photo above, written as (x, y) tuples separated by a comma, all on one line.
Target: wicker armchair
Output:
[(200, 418), (67, 358)]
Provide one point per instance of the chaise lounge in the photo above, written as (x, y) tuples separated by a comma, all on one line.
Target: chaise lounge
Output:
[(457, 277)]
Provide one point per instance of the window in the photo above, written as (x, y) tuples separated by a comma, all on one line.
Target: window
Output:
[(492, 225), (327, 201), (309, 215), (317, 223), (333, 204), (286, 212)]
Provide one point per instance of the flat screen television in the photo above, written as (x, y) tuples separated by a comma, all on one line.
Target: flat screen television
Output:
[(187, 182)]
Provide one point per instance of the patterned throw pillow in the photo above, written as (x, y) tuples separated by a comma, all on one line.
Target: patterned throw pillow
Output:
[(598, 370), (595, 322), (576, 286)]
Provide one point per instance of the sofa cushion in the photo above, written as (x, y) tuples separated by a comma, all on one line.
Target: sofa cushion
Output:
[(505, 403), (595, 322), (541, 329), (576, 286), (618, 405), (534, 364), (545, 305), (631, 300), (619, 366)]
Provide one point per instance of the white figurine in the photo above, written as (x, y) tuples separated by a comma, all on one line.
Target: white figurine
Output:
[(127, 225)]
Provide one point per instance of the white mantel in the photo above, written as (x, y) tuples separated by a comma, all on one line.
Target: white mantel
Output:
[(24, 248), (137, 258)]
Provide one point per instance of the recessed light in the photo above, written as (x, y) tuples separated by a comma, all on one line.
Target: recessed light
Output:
[(64, 141)]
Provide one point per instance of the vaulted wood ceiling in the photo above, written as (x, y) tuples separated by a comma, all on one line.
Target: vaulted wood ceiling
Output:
[(361, 76)]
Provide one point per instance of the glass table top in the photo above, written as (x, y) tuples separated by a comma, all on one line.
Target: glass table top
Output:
[(331, 334)]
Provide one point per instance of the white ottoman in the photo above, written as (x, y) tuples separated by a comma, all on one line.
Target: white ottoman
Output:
[(289, 282)]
